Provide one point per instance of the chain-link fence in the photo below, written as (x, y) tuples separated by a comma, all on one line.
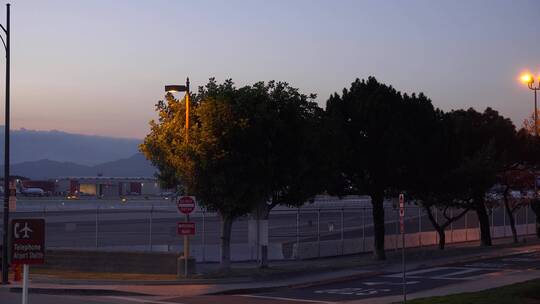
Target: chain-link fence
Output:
[(328, 228)]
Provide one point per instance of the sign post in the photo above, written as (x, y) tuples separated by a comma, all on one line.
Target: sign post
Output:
[(28, 247), (402, 230), (186, 205)]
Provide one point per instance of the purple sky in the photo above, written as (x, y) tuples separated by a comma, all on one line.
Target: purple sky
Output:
[(98, 67)]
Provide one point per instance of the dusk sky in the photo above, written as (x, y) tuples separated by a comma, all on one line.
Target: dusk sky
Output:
[(98, 67)]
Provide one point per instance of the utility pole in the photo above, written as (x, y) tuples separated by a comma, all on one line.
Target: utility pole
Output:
[(5, 244)]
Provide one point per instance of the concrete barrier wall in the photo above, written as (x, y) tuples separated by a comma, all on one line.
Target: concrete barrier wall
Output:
[(309, 250)]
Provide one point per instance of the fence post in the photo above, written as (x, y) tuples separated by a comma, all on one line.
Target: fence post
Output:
[(479, 232), (396, 233), (526, 219), (97, 226), (492, 227), (504, 222), (203, 236), (436, 221), (342, 232), (319, 232), (419, 226), (298, 233), (363, 229), (44, 218), (150, 230), (451, 226), (466, 226)]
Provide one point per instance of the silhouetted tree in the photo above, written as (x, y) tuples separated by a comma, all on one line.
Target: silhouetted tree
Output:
[(517, 183), (292, 134), (371, 126), (480, 148), (529, 156)]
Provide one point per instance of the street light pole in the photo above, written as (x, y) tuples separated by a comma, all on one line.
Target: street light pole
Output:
[(535, 114), (183, 88), (5, 245), (529, 79)]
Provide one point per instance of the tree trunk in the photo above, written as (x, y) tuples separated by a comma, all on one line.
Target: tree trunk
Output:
[(512, 220), (535, 206), (264, 248), (439, 228), (483, 218), (377, 202), (226, 228), (442, 238)]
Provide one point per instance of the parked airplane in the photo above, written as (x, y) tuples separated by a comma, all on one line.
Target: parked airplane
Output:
[(32, 192)]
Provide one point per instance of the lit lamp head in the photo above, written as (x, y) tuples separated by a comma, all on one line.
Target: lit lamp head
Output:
[(175, 88), (528, 79)]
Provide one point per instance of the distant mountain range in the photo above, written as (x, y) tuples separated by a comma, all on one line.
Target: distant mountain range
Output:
[(134, 166), (52, 154), (29, 145)]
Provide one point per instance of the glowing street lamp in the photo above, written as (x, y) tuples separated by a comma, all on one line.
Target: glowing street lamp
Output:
[(181, 88), (529, 80)]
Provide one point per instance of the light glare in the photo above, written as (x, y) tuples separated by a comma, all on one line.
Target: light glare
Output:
[(527, 78)]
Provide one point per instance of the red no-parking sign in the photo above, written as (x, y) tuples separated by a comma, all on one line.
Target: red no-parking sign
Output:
[(185, 228), (186, 204)]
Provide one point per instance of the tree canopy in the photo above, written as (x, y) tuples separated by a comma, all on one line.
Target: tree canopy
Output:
[(267, 144)]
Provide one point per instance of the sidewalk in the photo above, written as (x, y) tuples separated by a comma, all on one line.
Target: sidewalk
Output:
[(283, 273)]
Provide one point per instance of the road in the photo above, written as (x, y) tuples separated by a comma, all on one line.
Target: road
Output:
[(389, 284), (370, 288)]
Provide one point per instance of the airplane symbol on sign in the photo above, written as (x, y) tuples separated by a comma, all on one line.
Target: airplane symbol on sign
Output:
[(25, 230)]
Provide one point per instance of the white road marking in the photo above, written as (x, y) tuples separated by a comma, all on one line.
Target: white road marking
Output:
[(446, 276), (519, 260), (390, 283), (137, 300), (489, 266), (455, 273), (353, 291), (286, 299)]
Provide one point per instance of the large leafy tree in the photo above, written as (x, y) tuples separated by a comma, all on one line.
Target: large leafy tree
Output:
[(293, 139), (249, 149), (516, 184), (371, 126), (431, 180), (480, 149), (529, 156), (224, 162)]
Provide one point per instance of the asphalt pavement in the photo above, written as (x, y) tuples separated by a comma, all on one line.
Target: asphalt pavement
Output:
[(519, 264), (419, 280)]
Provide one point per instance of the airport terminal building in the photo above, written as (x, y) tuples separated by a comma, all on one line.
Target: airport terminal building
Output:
[(102, 186)]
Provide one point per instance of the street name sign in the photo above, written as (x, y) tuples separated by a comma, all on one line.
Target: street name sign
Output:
[(186, 204), (28, 241), (185, 228)]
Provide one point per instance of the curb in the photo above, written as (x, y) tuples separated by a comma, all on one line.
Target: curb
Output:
[(145, 283), (479, 257), (77, 291), (297, 285)]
